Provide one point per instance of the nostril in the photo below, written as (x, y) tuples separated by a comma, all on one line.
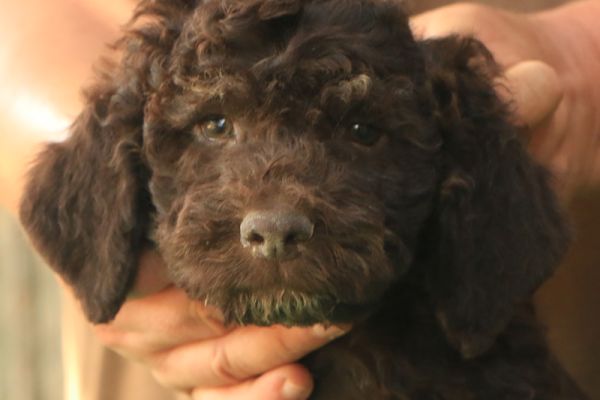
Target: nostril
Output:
[(291, 238), (296, 237), (255, 238)]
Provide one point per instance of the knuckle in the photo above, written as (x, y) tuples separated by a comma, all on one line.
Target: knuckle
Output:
[(221, 365), (162, 373), (463, 15), (286, 349), (162, 378), (469, 9)]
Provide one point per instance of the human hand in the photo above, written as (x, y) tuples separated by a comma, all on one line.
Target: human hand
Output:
[(552, 65), (188, 349)]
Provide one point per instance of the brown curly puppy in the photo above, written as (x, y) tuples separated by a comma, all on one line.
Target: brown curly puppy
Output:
[(309, 161)]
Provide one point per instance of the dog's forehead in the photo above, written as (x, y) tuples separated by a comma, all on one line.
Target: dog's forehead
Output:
[(278, 55), (294, 41)]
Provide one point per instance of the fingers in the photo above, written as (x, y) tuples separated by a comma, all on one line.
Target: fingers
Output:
[(442, 21), (243, 353), (290, 382), (512, 37), (157, 316), (186, 345), (534, 89), (159, 322), (490, 25)]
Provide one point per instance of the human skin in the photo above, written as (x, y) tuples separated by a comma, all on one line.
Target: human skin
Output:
[(188, 348), (558, 95)]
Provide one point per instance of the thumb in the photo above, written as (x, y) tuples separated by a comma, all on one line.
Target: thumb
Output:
[(534, 90)]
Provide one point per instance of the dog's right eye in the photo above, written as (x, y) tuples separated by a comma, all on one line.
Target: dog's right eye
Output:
[(215, 128)]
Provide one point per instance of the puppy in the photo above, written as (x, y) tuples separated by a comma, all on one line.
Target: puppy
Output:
[(300, 162)]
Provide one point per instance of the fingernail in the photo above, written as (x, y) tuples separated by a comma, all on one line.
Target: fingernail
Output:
[(292, 391), (331, 332)]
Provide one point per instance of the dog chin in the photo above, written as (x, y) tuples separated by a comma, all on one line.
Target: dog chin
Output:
[(289, 308)]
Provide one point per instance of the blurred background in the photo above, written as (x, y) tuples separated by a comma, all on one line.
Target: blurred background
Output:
[(46, 52)]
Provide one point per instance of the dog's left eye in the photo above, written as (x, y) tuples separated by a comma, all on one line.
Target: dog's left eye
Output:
[(216, 128), (365, 134)]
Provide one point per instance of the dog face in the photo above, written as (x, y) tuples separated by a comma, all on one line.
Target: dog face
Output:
[(293, 160), (299, 171)]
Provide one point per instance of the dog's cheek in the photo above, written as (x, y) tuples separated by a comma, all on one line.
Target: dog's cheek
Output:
[(179, 165), (199, 239), (163, 193)]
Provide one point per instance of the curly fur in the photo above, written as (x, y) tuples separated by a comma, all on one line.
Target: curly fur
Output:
[(430, 238)]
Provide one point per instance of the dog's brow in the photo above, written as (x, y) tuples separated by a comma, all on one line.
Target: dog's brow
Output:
[(224, 95), (349, 91), (223, 87)]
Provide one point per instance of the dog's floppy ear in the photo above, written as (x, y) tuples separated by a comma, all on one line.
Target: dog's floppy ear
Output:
[(500, 231), (85, 202), (86, 206)]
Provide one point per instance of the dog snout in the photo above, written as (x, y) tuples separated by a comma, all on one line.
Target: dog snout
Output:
[(275, 235)]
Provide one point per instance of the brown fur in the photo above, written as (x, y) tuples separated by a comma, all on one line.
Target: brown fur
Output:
[(430, 238)]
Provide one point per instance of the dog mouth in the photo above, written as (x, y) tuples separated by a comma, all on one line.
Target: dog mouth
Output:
[(287, 307), (316, 279)]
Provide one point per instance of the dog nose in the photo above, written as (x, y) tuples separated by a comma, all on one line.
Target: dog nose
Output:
[(275, 235)]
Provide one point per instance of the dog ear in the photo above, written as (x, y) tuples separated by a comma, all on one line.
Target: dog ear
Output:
[(500, 231), (85, 204)]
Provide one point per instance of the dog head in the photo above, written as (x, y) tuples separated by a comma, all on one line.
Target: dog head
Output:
[(291, 161)]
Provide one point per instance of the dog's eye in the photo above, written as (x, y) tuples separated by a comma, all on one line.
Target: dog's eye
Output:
[(364, 134), (216, 128)]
